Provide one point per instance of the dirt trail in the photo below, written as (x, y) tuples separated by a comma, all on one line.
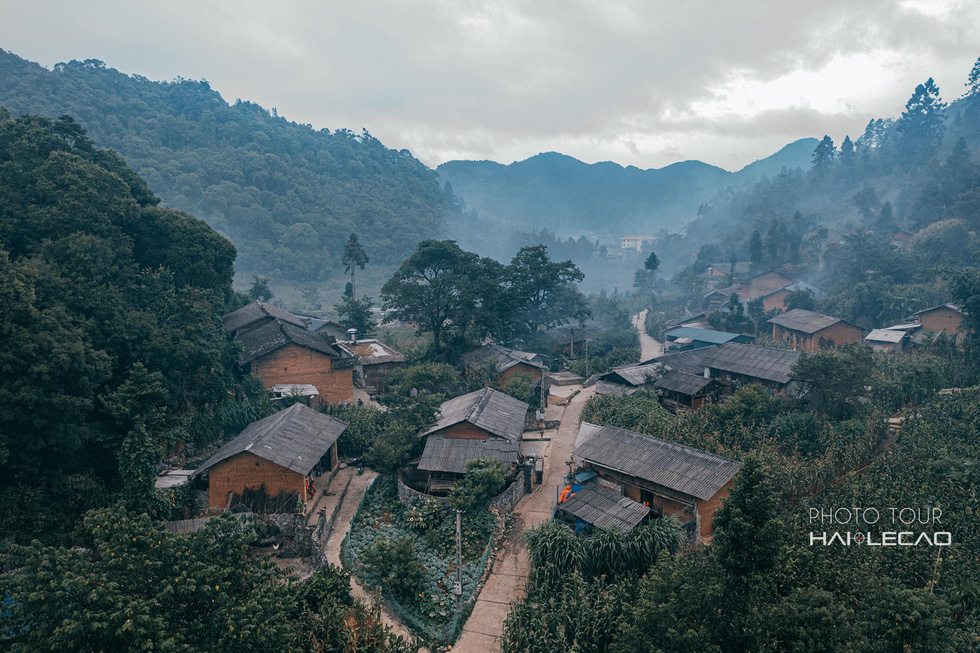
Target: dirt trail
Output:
[(649, 348), (483, 629)]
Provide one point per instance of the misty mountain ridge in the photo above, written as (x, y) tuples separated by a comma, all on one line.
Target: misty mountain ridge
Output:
[(568, 196)]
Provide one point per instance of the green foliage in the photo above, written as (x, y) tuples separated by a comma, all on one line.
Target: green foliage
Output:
[(356, 314), (279, 189), (522, 386), (833, 381), (483, 479), (747, 537), (111, 338), (260, 290), (541, 292), (395, 565)]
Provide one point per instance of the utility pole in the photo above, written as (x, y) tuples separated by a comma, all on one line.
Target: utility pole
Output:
[(458, 585)]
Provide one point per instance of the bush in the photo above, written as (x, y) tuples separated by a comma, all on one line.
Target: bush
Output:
[(484, 479), (395, 565)]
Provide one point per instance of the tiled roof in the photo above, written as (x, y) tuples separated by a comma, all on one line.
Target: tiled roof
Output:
[(493, 411), (604, 508), (804, 321), (683, 383), (295, 438), (444, 454), (269, 337), (674, 466), (766, 363), (256, 311)]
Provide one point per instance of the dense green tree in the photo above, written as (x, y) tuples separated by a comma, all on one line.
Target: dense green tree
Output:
[(260, 290), (800, 299), (824, 154), (755, 248), (847, 154), (356, 314), (922, 124), (354, 257), (832, 381), (541, 292), (441, 288)]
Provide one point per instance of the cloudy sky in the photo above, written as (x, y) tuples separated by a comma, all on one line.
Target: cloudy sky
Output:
[(641, 82)]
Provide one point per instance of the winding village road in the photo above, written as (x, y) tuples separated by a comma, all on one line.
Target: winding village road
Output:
[(506, 582)]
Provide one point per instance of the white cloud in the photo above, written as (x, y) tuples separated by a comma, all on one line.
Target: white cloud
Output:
[(638, 82)]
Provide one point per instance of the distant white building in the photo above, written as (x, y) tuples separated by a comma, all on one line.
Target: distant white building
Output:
[(636, 242)]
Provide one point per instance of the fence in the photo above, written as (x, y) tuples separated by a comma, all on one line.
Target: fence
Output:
[(448, 633)]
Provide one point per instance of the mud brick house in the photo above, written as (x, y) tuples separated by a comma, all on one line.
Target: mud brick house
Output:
[(810, 331), (762, 284), (947, 318), (276, 452), (279, 352), (258, 314), (715, 299), (375, 360), (482, 423), (776, 300), (735, 364), (627, 380), (506, 362), (668, 478), (568, 339), (327, 328)]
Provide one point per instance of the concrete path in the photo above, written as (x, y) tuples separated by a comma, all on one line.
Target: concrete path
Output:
[(483, 629), (358, 487), (649, 348)]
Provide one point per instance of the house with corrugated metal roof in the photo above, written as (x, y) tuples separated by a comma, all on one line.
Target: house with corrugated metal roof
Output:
[(695, 338), (811, 331), (735, 364), (276, 453), (484, 423), (666, 478), (887, 340), (505, 362), (258, 314)]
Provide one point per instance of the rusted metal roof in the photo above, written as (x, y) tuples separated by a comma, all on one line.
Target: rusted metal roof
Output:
[(674, 466), (246, 315), (444, 454), (372, 352), (295, 438), (487, 409), (766, 363), (604, 508)]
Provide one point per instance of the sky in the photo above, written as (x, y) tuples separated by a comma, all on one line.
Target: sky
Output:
[(639, 82)]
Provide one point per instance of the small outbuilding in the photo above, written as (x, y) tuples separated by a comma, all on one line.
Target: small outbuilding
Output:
[(277, 452), (886, 340), (694, 338), (506, 362)]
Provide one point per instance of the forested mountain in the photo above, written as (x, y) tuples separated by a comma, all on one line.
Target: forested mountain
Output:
[(285, 194), (565, 195), (871, 221), (111, 340)]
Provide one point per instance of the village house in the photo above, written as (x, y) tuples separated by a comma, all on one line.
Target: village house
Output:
[(695, 338), (639, 473), (946, 318), (258, 314), (735, 364), (636, 242), (887, 340), (276, 453), (762, 284), (810, 331), (484, 423), (279, 352), (776, 300), (725, 269), (505, 362), (715, 299), (627, 380), (374, 361), (327, 328), (681, 392)]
